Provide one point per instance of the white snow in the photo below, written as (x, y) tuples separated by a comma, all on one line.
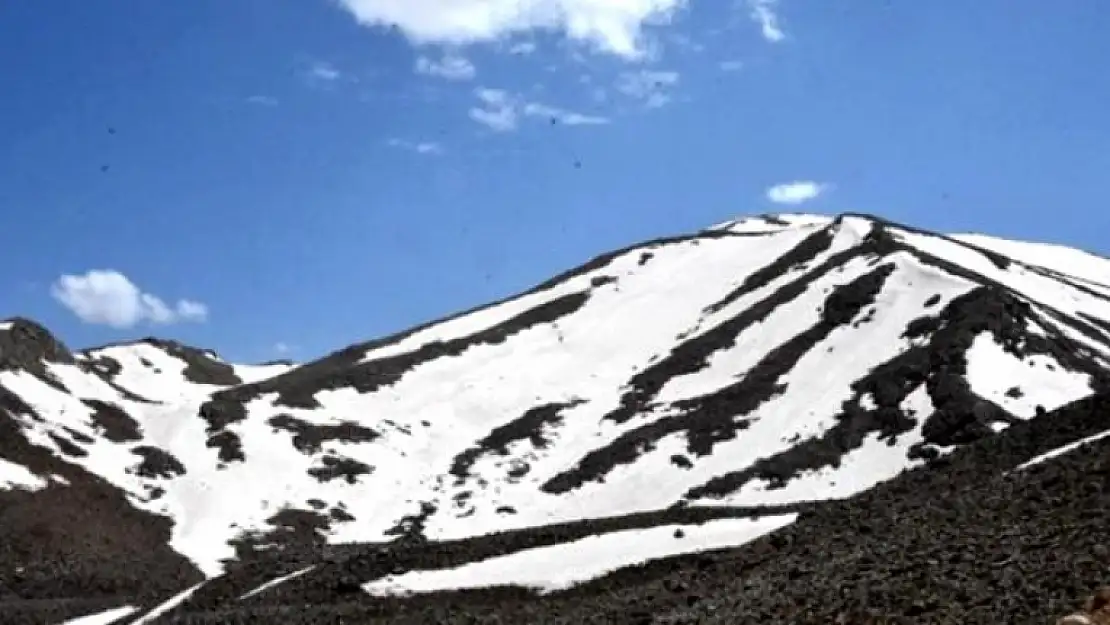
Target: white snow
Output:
[(14, 475), (149, 371), (1094, 270), (5, 325), (992, 372), (874, 462), (102, 618), (562, 566), (276, 581), (250, 374), (168, 605), (1059, 451), (1034, 285)]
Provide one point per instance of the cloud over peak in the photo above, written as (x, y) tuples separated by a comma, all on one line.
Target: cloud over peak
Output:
[(796, 192), (107, 297), (613, 26)]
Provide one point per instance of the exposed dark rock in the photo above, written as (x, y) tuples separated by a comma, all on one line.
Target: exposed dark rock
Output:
[(530, 426), (157, 462), (229, 444), (78, 436), (335, 467), (339, 515), (67, 446), (27, 346), (113, 423), (308, 438)]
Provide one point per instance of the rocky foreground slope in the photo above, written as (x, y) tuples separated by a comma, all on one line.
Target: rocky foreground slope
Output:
[(791, 419)]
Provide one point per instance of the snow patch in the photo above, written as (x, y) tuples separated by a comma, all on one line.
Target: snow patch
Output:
[(558, 567), (1019, 386), (106, 617), (1059, 451), (14, 475)]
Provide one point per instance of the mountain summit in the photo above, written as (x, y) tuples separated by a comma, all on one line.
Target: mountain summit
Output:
[(759, 391)]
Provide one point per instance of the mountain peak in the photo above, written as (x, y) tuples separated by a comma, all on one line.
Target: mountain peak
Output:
[(739, 387)]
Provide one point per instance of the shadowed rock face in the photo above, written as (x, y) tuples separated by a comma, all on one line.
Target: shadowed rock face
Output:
[(961, 538)]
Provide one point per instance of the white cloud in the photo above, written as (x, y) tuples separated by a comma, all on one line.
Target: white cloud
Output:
[(107, 297), (421, 147), (613, 26), (652, 87), (563, 116), (522, 48), (326, 72), (763, 12), (796, 192), (262, 100), (450, 67), (731, 66), (282, 348), (498, 111), (501, 112)]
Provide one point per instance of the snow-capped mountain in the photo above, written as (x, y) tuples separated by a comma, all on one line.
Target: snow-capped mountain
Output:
[(716, 386)]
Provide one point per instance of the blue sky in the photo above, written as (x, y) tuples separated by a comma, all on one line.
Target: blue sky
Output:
[(283, 177)]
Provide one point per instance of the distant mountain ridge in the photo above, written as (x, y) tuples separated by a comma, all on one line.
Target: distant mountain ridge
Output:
[(729, 386)]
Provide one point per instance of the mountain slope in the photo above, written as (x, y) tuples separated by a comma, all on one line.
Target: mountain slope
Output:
[(745, 373)]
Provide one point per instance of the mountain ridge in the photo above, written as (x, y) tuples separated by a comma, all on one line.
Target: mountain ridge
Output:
[(756, 372)]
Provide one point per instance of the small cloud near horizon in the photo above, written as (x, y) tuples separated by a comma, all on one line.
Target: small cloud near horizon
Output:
[(108, 297), (796, 192)]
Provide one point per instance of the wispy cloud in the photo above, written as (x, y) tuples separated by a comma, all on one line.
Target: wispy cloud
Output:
[(451, 66), (498, 111), (262, 100), (107, 297), (653, 88), (685, 42), (731, 66), (763, 12), (323, 71), (430, 148), (522, 48), (501, 111), (610, 26), (796, 192), (563, 116)]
